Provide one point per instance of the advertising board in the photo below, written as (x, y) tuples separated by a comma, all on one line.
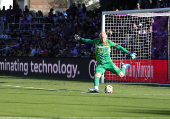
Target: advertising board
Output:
[(151, 71)]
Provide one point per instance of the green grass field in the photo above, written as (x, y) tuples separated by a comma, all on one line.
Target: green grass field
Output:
[(27, 96)]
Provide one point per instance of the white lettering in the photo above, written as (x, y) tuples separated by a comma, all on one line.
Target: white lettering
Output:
[(63, 68), (12, 66), (74, 70), (32, 64), (36, 67), (55, 68), (40, 65), (69, 70), (59, 66), (25, 68), (50, 65), (44, 65)]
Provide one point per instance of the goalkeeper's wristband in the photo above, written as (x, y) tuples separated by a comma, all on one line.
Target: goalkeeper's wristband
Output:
[(129, 53), (80, 38)]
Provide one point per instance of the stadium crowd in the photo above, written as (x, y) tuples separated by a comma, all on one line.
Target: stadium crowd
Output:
[(30, 33)]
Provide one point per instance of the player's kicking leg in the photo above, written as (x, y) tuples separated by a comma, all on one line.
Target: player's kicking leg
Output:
[(123, 70)]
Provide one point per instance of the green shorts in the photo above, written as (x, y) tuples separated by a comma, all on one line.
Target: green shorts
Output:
[(110, 66)]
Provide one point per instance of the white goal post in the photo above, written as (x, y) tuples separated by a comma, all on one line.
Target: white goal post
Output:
[(132, 29)]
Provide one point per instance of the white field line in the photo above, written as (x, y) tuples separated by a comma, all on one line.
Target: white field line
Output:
[(76, 91), (42, 88)]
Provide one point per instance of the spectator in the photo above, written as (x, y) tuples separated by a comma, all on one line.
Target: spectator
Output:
[(18, 13), (74, 51), (4, 35), (67, 32), (82, 12), (29, 16), (35, 21), (160, 4), (9, 12), (138, 7), (50, 14), (25, 20), (79, 10), (3, 13), (68, 12), (53, 28), (26, 11), (51, 20), (32, 50), (73, 10), (61, 18)]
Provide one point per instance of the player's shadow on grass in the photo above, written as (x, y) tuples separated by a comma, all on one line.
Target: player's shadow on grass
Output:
[(147, 111), (133, 109)]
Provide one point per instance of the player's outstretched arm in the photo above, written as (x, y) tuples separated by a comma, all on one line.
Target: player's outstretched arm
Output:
[(131, 54), (88, 41)]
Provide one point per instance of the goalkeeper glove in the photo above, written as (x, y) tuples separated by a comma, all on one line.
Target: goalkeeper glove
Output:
[(77, 37), (133, 55)]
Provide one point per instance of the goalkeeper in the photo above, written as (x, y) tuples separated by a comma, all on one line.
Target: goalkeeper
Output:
[(104, 61)]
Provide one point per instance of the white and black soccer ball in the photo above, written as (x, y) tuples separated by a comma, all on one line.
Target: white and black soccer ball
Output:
[(108, 89)]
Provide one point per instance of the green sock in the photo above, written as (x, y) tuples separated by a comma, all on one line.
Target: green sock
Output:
[(123, 70), (96, 81)]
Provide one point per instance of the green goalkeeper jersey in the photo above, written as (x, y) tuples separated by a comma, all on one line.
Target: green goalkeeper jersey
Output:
[(102, 50)]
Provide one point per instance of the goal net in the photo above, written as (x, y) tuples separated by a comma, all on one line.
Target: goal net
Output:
[(144, 32)]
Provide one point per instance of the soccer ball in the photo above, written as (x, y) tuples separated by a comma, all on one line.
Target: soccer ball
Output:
[(108, 89)]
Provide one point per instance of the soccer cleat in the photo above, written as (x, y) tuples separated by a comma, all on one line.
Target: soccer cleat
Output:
[(126, 65), (93, 90)]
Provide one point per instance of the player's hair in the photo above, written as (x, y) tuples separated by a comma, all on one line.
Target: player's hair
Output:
[(101, 34)]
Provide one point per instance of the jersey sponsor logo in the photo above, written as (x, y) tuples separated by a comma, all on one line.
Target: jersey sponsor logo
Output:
[(100, 46)]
